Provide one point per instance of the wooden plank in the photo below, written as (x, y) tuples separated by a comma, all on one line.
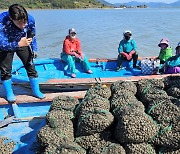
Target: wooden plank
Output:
[(89, 81), (49, 97), (25, 95)]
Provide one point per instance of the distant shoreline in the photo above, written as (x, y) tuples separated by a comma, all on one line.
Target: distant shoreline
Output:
[(118, 8)]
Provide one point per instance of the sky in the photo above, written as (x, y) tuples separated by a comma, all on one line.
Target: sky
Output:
[(124, 1)]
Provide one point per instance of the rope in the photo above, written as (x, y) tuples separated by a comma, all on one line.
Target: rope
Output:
[(92, 112), (61, 134), (147, 87), (70, 115), (71, 147), (161, 132), (106, 148), (154, 106), (150, 149)]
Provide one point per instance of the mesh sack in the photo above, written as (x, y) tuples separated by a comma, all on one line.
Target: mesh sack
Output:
[(62, 122), (139, 148), (6, 145), (94, 122), (123, 86), (135, 128), (91, 102), (99, 89), (67, 103)]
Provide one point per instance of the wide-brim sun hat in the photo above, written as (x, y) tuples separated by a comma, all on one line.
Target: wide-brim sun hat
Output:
[(164, 41)]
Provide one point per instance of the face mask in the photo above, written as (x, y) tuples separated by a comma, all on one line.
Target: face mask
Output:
[(164, 46), (72, 36), (127, 37)]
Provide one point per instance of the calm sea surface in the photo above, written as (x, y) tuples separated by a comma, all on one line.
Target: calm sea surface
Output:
[(100, 30)]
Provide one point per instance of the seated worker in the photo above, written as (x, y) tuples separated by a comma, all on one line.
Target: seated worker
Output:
[(165, 50), (72, 52), (172, 65), (127, 50)]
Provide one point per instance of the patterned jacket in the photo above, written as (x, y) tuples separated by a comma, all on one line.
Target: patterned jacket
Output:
[(10, 34)]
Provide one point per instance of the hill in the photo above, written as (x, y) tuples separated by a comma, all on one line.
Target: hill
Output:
[(104, 2), (149, 4), (175, 4), (54, 4)]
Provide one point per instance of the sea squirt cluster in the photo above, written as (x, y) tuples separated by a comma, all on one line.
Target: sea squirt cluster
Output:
[(126, 118)]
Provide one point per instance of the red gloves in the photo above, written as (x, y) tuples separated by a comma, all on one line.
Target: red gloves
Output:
[(128, 57), (131, 53), (124, 54), (77, 55), (82, 55)]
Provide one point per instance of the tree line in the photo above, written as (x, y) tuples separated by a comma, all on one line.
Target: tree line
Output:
[(52, 4)]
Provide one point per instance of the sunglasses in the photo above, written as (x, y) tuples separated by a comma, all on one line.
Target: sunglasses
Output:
[(72, 33)]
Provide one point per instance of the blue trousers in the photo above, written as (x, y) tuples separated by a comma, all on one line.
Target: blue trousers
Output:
[(70, 60)]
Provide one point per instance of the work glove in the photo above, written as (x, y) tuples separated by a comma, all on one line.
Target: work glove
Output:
[(82, 56), (132, 52), (128, 57), (77, 56)]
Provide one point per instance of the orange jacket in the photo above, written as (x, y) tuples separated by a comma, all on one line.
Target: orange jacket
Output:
[(71, 47)]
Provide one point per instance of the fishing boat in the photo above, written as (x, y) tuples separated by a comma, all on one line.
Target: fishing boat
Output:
[(21, 120), (54, 74)]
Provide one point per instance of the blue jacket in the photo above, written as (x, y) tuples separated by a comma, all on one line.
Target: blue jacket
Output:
[(10, 34), (127, 46), (173, 61)]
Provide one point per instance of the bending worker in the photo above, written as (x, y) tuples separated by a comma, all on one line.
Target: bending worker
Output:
[(16, 25)]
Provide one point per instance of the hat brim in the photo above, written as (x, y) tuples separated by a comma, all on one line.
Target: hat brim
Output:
[(162, 43), (73, 33), (127, 34)]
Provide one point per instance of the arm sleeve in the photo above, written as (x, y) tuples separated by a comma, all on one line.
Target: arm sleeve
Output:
[(173, 61), (79, 47), (33, 30), (134, 45), (34, 44), (120, 48), (5, 45)]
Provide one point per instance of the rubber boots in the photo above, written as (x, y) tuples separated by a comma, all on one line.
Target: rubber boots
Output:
[(35, 88), (7, 84)]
